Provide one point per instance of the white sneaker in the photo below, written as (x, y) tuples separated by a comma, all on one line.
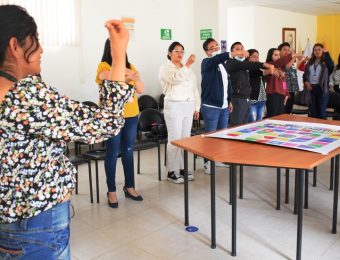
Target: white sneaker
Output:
[(220, 164), (172, 177), (207, 167), (217, 164)]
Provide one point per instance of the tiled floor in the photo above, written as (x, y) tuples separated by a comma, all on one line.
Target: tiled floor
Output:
[(153, 229)]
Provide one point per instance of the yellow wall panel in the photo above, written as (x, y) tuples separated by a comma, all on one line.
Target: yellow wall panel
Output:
[(328, 33)]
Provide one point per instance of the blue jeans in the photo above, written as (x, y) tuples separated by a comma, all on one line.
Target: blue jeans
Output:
[(123, 143), (319, 101), (214, 118), (256, 111), (45, 236)]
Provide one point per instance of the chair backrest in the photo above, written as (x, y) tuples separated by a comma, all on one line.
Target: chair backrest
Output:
[(148, 118), (298, 100), (146, 101), (161, 102), (334, 100)]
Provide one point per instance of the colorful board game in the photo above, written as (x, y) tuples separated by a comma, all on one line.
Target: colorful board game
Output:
[(319, 138)]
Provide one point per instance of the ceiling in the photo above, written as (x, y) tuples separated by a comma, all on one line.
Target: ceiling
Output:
[(312, 7)]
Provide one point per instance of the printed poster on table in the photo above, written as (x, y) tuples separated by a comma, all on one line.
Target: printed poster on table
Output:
[(319, 138)]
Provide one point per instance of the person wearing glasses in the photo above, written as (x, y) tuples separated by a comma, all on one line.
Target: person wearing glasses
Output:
[(216, 90), (181, 104), (36, 123)]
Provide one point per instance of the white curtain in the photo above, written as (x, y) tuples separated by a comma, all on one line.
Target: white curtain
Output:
[(57, 20)]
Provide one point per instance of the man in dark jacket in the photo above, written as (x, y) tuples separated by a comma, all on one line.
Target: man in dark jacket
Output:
[(238, 70)]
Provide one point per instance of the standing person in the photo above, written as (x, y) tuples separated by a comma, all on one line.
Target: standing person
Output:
[(215, 91), (36, 122), (181, 104), (239, 78), (122, 143), (316, 79), (334, 79), (277, 91), (258, 89), (291, 77)]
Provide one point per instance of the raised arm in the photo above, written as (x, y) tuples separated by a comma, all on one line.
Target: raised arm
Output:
[(329, 62), (34, 108), (233, 66), (282, 61), (212, 62)]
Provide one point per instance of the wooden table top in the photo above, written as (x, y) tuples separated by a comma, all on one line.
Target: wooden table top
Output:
[(248, 153)]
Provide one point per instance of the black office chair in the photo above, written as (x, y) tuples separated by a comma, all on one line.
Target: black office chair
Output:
[(333, 106), (197, 129), (147, 138), (77, 160), (146, 101), (96, 155), (299, 108), (161, 103)]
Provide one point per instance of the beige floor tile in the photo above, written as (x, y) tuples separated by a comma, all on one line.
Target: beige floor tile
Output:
[(153, 228)]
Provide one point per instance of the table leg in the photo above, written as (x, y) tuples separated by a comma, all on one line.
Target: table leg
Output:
[(186, 190), (315, 173), (230, 186), (296, 192), (233, 206), (300, 213), (278, 188), (331, 179), (336, 195), (287, 187), (213, 208), (97, 179), (241, 181), (306, 188)]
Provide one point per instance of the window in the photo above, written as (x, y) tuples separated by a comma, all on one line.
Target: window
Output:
[(57, 20)]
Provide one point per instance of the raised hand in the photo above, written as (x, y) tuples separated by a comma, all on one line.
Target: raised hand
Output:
[(119, 37), (190, 60)]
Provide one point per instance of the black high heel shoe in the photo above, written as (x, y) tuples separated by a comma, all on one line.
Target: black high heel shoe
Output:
[(111, 204), (129, 195)]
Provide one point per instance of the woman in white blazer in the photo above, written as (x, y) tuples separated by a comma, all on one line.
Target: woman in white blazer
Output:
[(181, 104)]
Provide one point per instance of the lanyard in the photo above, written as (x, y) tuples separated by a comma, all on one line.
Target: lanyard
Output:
[(7, 76), (315, 66)]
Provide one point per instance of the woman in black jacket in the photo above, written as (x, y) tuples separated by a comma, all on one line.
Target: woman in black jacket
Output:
[(316, 79)]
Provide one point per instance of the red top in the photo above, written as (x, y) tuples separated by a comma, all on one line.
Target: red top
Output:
[(277, 84)]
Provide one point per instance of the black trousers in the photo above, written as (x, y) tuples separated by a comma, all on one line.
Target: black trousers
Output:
[(274, 104)]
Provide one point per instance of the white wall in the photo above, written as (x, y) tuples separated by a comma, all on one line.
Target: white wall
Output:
[(261, 27), (273, 20), (206, 17), (73, 70), (241, 26)]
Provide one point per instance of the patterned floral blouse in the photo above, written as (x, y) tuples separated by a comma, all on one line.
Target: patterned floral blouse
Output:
[(36, 122)]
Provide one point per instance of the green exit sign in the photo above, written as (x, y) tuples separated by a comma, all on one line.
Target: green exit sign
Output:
[(165, 34), (205, 34)]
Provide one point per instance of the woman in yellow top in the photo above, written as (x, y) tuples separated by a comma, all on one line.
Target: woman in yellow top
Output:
[(125, 140)]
